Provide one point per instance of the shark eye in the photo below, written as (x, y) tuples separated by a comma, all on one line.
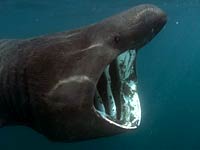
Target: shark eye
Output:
[(116, 39)]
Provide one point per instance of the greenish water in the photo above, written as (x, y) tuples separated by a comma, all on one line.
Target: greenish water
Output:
[(168, 71)]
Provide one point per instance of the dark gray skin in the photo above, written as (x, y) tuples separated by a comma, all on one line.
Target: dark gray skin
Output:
[(48, 83)]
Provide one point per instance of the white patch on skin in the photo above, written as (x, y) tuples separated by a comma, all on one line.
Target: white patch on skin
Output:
[(64, 36), (73, 34), (92, 46), (88, 48), (76, 78)]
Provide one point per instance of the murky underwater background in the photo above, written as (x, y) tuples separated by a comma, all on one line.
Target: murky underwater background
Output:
[(168, 71)]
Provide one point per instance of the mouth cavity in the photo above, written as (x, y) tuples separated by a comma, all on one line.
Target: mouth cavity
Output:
[(116, 99)]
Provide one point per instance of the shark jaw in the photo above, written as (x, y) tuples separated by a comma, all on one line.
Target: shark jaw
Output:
[(116, 99)]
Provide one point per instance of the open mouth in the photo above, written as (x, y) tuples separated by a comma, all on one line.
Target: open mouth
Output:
[(116, 99)]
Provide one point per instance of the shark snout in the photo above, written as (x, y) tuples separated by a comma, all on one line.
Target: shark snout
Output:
[(155, 18), (147, 22)]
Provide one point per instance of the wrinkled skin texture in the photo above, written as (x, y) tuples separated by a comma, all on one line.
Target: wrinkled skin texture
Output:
[(48, 83)]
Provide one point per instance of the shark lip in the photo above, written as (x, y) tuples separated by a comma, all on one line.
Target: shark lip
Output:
[(116, 99)]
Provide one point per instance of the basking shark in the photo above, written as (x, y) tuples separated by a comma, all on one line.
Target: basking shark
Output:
[(77, 84)]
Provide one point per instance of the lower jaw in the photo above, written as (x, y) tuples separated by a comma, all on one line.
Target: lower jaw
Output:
[(116, 98)]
